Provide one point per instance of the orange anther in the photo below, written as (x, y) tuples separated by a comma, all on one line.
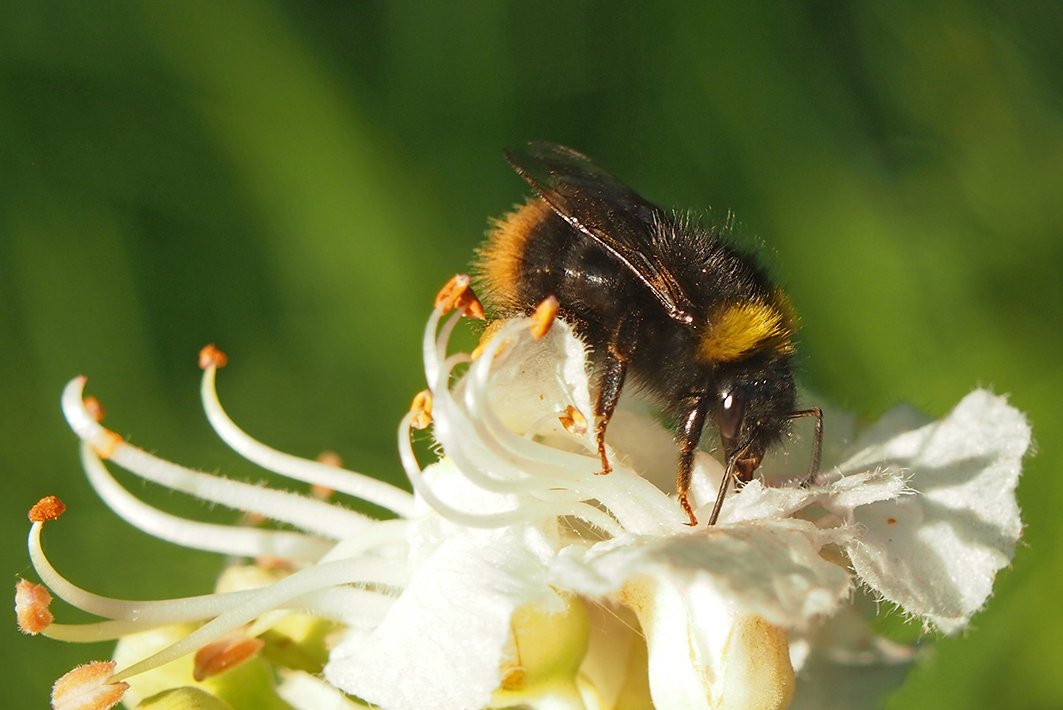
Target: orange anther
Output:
[(514, 679), (94, 408), (330, 458), (543, 317), (210, 355), (31, 607), (421, 407), (573, 421), (47, 509), (458, 294), (321, 491), (86, 688), (458, 284), (223, 654), (274, 563)]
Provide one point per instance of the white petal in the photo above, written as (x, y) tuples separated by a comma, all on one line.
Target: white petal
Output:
[(864, 488), (770, 569), (704, 654), (755, 501), (304, 691), (541, 377), (936, 553), (450, 484), (843, 665), (442, 642)]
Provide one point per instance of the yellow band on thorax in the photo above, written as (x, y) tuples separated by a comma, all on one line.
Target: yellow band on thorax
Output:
[(737, 330)]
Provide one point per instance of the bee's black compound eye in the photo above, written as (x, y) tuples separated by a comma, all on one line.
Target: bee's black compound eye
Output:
[(732, 410)]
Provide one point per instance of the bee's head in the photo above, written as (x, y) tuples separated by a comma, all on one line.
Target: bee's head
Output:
[(753, 401)]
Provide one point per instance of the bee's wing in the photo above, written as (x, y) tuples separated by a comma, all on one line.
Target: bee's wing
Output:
[(612, 214)]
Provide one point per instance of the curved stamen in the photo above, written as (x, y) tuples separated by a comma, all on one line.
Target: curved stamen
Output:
[(635, 502), (355, 607), (224, 539), (532, 457), (352, 606), (276, 595), (474, 446), (638, 504), (306, 513), (553, 462), (523, 513), (432, 350), (376, 538), (110, 630), (355, 484), (472, 452), (165, 611)]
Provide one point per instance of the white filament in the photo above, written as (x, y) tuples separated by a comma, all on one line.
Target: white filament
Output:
[(359, 485), (306, 513)]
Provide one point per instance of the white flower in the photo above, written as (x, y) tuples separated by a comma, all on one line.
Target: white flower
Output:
[(516, 575), (335, 567), (924, 517)]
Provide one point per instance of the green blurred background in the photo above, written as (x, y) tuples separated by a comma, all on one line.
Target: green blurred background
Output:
[(294, 180)]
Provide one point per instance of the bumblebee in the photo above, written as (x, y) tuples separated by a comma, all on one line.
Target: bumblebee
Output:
[(660, 299)]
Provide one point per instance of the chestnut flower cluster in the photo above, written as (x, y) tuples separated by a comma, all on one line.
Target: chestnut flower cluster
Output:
[(515, 575)]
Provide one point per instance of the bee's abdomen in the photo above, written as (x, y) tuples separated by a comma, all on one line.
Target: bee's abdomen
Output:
[(499, 264), (533, 253)]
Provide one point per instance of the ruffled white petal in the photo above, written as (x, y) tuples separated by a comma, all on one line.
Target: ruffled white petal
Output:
[(936, 552), (441, 644), (770, 569)]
